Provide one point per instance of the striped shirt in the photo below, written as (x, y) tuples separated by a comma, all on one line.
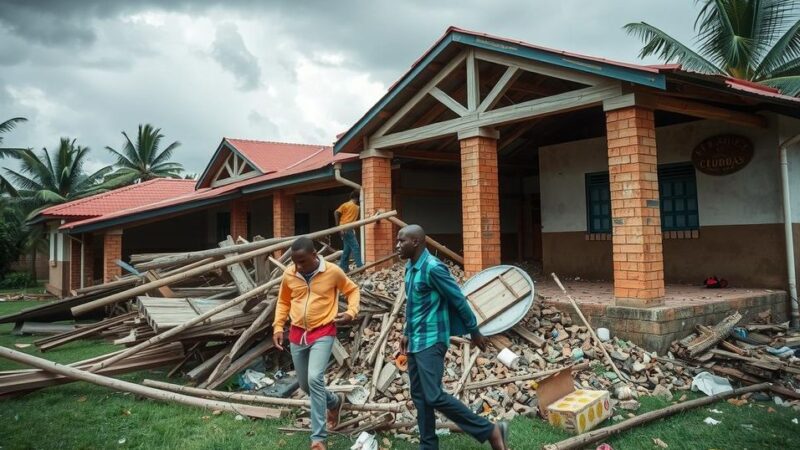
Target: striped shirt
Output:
[(435, 305)]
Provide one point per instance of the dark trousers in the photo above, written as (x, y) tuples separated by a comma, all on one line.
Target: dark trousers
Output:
[(425, 370)]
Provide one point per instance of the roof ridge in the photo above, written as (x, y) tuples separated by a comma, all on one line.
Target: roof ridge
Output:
[(82, 200), (276, 142)]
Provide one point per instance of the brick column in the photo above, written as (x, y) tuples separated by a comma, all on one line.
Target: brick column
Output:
[(282, 214), (239, 209), (633, 170), (376, 180), (480, 200), (112, 251)]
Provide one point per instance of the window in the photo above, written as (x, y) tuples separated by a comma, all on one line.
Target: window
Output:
[(678, 195), (598, 203), (677, 188), (302, 223)]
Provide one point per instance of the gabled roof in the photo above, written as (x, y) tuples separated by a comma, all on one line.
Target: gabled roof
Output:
[(653, 76), (296, 167), (120, 199), (264, 156)]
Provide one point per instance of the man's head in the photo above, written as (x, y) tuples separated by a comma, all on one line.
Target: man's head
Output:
[(410, 241), (304, 255), (355, 197)]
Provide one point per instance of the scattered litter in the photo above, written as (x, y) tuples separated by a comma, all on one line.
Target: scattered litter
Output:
[(239, 417), (783, 352), (365, 441), (122, 441), (22, 345), (252, 380), (660, 443), (747, 426), (794, 421), (711, 421), (715, 411)]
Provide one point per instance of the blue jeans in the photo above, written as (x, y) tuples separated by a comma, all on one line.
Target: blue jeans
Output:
[(350, 247), (309, 363)]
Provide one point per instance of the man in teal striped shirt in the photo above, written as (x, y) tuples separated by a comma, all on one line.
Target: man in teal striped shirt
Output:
[(435, 310)]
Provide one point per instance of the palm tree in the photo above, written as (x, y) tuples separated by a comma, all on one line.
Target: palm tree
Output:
[(143, 161), (46, 179), (755, 40), (5, 127)]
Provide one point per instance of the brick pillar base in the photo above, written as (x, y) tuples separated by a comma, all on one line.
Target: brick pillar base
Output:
[(632, 165), (376, 180), (480, 203), (239, 209), (112, 251)]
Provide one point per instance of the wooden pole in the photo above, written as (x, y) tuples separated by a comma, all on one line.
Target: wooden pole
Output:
[(591, 330), (378, 346), (372, 264), (526, 377), (146, 287), (467, 369), (585, 439), (144, 391), (382, 407), (187, 257), (433, 243)]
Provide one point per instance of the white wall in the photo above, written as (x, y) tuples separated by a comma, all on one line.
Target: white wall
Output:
[(789, 127), (749, 196)]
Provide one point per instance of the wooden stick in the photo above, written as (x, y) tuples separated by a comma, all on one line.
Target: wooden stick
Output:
[(526, 377), (146, 287), (591, 330), (433, 243), (144, 391), (379, 360), (465, 375), (188, 257), (382, 407), (398, 303), (585, 439)]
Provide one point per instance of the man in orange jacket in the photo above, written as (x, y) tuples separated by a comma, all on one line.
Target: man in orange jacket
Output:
[(309, 297)]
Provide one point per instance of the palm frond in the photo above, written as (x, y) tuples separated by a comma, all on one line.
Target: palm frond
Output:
[(725, 35), (785, 51), (769, 20), (669, 49), (166, 153), (48, 197), (22, 182), (7, 188), (788, 85)]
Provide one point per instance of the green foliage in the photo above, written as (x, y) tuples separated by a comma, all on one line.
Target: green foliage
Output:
[(17, 280), (756, 40), (12, 239), (143, 160)]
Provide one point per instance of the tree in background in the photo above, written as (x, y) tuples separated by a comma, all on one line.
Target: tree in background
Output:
[(54, 177), (143, 160), (755, 40)]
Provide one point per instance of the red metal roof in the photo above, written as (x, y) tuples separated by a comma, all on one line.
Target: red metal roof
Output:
[(126, 197), (274, 156), (304, 161)]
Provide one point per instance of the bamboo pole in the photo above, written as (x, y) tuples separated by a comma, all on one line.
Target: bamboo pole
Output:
[(432, 242), (144, 391), (372, 264), (146, 287), (585, 439), (187, 257), (591, 330), (277, 401)]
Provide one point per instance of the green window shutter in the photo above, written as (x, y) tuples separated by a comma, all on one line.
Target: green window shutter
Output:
[(598, 203), (677, 187)]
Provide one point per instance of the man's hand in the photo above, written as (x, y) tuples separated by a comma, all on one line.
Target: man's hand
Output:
[(478, 340), (277, 340), (404, 345), (342, 318)]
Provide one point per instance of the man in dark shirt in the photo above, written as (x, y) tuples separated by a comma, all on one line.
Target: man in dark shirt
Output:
[(435, 310)]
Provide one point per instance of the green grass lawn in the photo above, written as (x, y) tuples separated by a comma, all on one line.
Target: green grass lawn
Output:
[(80, 415)]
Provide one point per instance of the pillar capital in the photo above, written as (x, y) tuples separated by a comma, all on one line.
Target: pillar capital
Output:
[(485, 132), (375, 153)]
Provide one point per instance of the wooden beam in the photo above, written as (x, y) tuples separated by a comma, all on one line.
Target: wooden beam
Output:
[(448, 101), (473, 82), (499, 88), (452, 65), (567, 101), (541, 68), (428, 156)]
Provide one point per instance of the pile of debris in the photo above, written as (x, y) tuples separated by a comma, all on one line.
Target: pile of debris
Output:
[(207, 315)]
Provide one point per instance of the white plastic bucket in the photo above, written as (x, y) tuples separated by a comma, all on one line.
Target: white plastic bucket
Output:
[(508, 358)]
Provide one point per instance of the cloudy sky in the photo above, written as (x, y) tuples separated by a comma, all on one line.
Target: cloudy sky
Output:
[(295, 71)]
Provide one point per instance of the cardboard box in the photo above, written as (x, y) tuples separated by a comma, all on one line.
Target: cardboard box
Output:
[(576, 411)]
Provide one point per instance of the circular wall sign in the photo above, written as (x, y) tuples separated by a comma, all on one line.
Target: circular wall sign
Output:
[(723, 154)]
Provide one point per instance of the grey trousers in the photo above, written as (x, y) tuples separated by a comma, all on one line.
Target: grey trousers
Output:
[(309, 363)]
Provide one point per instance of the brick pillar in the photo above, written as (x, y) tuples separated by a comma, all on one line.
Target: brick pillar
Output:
[(480, 200), (633, 170), (239, 209), (282, 214), (112, 251), (376, 180)]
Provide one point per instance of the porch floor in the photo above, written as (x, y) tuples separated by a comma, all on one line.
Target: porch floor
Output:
[(655, 328)]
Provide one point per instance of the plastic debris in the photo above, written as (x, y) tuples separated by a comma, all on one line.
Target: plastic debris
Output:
[(251, 380), (711, 421), (710, 384), (365, 441)]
